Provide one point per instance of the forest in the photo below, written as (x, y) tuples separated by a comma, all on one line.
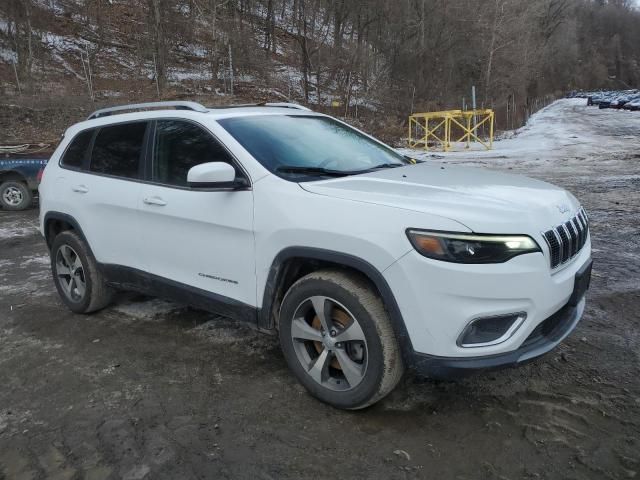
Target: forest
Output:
[(361, 56)]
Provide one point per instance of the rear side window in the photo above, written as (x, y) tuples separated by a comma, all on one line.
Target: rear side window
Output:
[(181, 145), (75, 154), (117, 150)]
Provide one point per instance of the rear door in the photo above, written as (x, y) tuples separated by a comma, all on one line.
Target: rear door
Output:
[(108, 188), (61, 185), (200, 238)]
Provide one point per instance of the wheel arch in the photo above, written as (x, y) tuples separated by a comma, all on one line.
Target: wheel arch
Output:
[(58, 222), (293, 263), (13, 175)]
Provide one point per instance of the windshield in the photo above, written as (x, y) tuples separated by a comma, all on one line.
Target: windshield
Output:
[(309, 146)]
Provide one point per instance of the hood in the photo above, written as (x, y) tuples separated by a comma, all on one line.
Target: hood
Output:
[(483, 200)]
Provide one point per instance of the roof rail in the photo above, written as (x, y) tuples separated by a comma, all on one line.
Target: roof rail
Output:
[(287, 105), (196, 107), (263, 104)]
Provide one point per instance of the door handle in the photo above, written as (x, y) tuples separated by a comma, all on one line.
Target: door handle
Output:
[(80, 189), (154, 201)]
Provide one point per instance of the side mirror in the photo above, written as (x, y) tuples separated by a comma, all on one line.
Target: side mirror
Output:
[(213, 175)]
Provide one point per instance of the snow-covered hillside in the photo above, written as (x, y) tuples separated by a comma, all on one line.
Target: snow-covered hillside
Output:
[(109, 49)]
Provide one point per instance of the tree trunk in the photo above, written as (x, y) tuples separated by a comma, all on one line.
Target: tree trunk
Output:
[(159, 42), (231, 80), (499, 8), (213, 53), (268, 29)]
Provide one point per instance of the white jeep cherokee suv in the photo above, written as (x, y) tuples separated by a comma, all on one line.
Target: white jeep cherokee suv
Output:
[(364, 261)]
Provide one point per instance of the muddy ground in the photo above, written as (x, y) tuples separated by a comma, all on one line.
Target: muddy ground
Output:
[(148, 389)]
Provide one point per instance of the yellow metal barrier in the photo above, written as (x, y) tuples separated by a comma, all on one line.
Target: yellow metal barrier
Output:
[(439, 127)]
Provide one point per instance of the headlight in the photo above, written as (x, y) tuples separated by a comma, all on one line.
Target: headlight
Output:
[(470, 248)]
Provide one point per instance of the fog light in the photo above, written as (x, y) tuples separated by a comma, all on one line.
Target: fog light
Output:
[(486, 331)]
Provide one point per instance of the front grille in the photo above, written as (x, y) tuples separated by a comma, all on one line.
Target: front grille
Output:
[(565, 241)]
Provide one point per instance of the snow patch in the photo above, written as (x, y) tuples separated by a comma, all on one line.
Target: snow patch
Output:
[(8, 56), (44, 260), (17, 231), (182, 74)]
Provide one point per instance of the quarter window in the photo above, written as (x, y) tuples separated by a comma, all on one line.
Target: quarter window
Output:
[(77, 150), (118, 149), (181, 145)]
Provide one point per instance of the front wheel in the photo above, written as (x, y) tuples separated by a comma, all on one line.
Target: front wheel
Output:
[(337, 339)]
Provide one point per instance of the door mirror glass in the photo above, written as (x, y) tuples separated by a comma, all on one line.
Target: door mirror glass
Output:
[(211, 174)]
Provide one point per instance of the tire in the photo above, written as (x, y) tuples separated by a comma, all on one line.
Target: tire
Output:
[(15, 195), (356, 372), (81, 286)]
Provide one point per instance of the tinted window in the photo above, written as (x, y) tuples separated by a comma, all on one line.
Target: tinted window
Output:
[(75, 154), (117, 150), (181, 145)]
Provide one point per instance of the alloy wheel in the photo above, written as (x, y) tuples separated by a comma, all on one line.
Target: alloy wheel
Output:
[(70, 273), (329, 343)]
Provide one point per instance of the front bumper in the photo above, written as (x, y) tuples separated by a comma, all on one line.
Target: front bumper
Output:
[(546, 336), (437, 300)]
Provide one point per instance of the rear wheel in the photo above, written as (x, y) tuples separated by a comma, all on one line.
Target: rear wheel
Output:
[(78, 280), (337, 339), (15, 195)]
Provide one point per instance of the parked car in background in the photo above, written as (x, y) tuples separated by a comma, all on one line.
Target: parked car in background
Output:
[(19, 179), (610, 98), (597, 97), (633, 104), (621, 100), (607, 100)]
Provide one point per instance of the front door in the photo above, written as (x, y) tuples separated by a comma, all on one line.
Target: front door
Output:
[(200, 238)]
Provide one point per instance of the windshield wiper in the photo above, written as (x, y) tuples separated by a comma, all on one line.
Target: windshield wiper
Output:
[(387, 165), (332, 173), (313, 171)]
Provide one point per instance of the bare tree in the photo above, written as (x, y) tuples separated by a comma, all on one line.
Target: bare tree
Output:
[(20, 31), (398, 54), (157, 14)]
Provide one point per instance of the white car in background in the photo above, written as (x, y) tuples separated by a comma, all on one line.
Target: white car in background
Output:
[(363, 260), (633, 104)]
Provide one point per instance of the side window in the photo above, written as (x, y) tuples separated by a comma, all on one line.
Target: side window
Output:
[(75, 154), (180, 145), (117, 150)]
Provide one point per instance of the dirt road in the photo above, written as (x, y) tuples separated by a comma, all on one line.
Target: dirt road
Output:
[(147, 389)]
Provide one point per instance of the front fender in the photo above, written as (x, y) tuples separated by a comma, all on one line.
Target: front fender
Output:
[(368, 270)]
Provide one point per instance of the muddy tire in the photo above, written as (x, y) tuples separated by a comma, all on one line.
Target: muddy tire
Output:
[(15, 195), (79, 282), (338, 341)]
